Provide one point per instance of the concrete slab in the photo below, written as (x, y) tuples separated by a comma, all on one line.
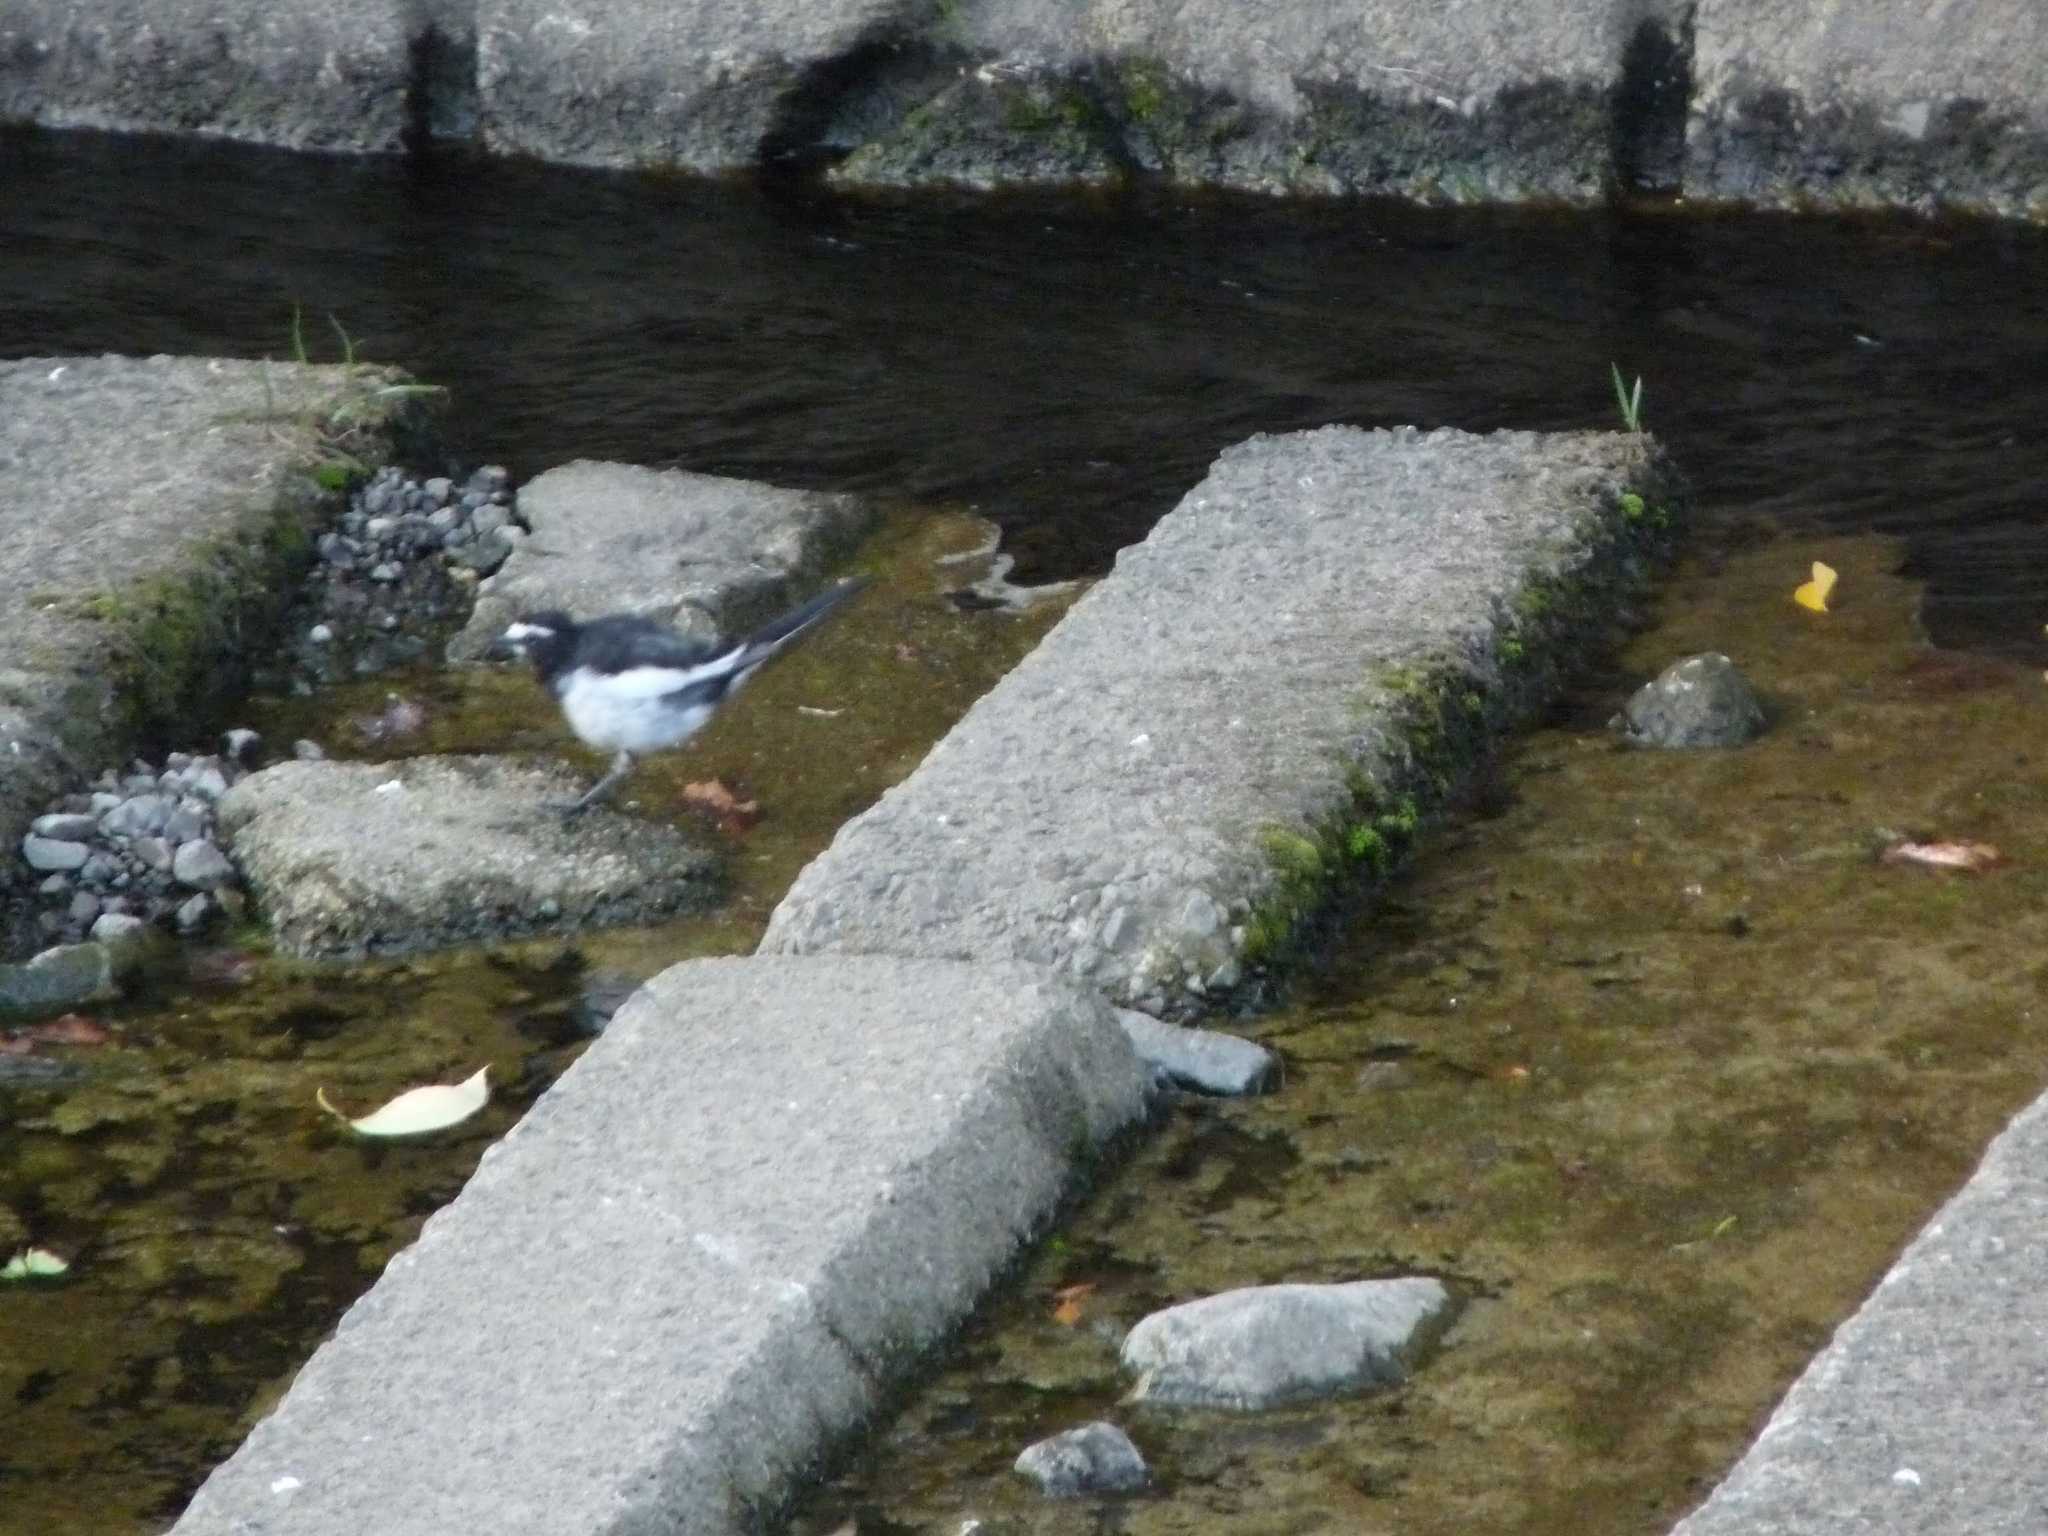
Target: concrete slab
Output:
[(700, 85), (1871, 103), (350, 859), (154, 514), (327, 76), (702, 553), (1261, 698), (698, 1260), (1450, 103), (1924, 1413), (1453, 102)]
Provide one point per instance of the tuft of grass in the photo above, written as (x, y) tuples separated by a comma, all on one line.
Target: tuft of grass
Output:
[(1630, 400), (338, 425)]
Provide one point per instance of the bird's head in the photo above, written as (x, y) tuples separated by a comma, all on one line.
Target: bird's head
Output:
[(536, 637)]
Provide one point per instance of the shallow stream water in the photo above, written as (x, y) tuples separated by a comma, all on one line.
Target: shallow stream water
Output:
[(1645, 1053)]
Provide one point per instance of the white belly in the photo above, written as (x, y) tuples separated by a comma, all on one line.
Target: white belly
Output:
[(626, 713)]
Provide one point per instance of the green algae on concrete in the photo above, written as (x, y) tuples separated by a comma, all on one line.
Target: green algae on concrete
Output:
[(220, 1222), (1649, 1056), (155, 518)]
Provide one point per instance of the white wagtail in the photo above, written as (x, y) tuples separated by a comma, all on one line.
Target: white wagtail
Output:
[(628, 685)]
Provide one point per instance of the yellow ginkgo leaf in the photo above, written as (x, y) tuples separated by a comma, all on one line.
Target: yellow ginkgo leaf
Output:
[(1814, 594), (419, 1110), (33, 1264)]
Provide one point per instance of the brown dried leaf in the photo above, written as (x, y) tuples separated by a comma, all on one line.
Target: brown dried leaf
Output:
[(71, 1029), (1072, 1301), (714, 798)]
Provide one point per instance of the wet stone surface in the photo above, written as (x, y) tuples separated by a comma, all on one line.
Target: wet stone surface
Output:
[(350, 859)]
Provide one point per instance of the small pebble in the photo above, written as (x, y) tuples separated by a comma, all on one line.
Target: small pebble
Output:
[(320, 634)]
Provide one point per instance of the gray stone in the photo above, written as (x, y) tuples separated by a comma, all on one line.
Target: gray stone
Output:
[(209, 783), (1096, 1458), (154, 852), (84, 908), (356, 858), (437, 488), (308, 751), (1271, 1344), (138, 815), (482, 553), (1247, 667), (1205, 1060), (48, 853), (1883, 102), (746, 1209), (56, 981), (193, 912), (66, 828), (100, 868), (187, 822), (1702, 701), (201, 866), (1923, 1413), (705, 554), (118, 932), (56, 885), (224, 446), (330, 76)]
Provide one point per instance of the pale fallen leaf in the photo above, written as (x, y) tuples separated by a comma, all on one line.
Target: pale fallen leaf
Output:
[(34, 1264), (1814, 594), (419, 1110), (1970, 856)]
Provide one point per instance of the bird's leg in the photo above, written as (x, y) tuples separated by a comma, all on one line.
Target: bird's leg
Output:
[(621, 766)]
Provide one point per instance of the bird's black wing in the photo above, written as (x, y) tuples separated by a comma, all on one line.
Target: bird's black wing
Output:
[(626, 641)]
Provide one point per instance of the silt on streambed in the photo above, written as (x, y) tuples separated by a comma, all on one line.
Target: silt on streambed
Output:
[(1649, 1057)]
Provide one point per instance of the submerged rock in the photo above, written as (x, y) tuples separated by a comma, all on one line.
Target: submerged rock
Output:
[(1096, 1458), (1205, 1060), (57, 980), (1702, 701), (348, 859), (1271, 1344)]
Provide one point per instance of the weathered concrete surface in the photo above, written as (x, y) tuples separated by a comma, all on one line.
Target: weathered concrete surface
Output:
[(154, 513), (1924, 1413), (697, 84), (1263, 695), (1460, 102), (705, 554), (327, 76), (698, 1259), (349, 859), (1869, 103)]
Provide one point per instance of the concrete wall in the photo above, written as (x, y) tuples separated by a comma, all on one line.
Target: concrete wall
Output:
[(1829, 103)]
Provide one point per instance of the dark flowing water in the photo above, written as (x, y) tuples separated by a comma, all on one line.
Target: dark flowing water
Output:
[(1069, 367), (1072, 366)]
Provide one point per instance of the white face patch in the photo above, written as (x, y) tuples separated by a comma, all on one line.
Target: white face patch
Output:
[(524, 631)]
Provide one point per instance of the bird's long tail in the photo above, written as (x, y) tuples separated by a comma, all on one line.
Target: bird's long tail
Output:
[(776, 633)]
